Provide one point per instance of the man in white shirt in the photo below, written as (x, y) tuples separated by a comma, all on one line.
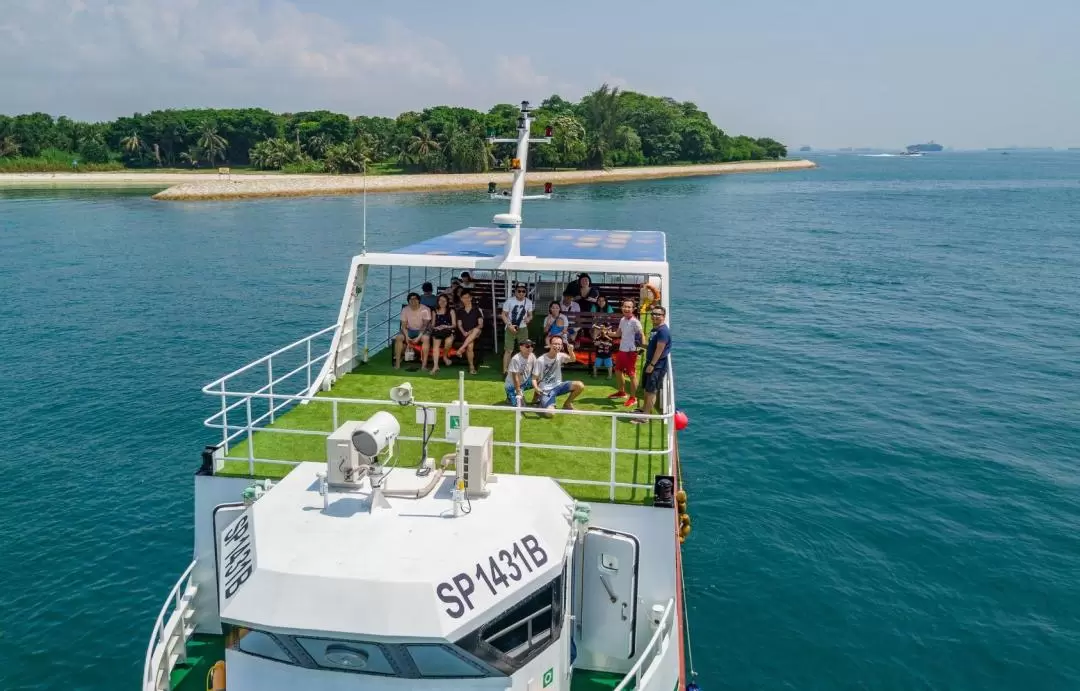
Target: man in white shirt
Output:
[(517, 312), (521, 374), (549, 383), (630, 336)]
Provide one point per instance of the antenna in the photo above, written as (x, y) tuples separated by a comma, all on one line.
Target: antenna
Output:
[(363, 245), (511, 221)]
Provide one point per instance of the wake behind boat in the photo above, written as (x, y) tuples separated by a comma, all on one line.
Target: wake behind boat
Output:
[(360, 524)]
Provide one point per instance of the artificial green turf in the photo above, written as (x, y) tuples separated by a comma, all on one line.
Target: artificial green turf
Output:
[(374, 380)]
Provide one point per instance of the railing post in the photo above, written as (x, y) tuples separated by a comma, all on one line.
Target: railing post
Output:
[(308, 366), (224, 420), (517, 439), (250, 440), (389, 307), (365, 337), (614, 445), (334, 409), (270, 385)]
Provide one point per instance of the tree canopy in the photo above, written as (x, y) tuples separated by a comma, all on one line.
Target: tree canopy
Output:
[(607, 127)]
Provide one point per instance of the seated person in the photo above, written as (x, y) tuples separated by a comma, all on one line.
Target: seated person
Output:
[(603, 342), (442, 332), (427, 296), (602, 305), (466, 280), (569, 306), (550, 384), (521, 374), (415, 321), (555, 324), (470, 322), (582, 291)]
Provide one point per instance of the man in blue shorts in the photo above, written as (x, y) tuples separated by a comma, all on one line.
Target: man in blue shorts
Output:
[(657, 359), (549, 375)]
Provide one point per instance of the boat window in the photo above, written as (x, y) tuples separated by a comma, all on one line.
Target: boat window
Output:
[(352, 656), (522, 632), (443, 662), (263, 645)]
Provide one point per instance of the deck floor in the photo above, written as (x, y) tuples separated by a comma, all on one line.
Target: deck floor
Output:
[(374, 380)]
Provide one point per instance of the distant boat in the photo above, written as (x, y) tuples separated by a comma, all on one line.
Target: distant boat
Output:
[(805, 148), (922, 148)]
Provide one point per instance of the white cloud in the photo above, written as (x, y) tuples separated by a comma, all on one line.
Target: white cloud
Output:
[(101, 58)]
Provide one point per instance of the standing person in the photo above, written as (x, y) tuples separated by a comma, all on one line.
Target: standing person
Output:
[(630, 335), (470, 322), (555, 324), (657, 360), (442, 332), (521, 374), (415, 320), (427, 296), (516, 314), (550, 384), (602, 342)]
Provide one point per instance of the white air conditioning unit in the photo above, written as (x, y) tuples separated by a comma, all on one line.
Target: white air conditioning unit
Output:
[(342, 459), (476, 464)]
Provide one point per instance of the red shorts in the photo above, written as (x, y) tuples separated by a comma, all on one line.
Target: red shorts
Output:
[(626, 362)]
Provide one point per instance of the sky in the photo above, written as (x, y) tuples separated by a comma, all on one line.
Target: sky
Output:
[(825, 73)]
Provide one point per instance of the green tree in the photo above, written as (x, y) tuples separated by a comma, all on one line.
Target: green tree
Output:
[(274, 154), (601, 111), (422, 144), (132, 144), (345, 158), (9, 146), (212, 143)]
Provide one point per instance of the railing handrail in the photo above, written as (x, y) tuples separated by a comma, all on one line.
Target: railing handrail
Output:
[(149, 682), (265, 358), (635, 671)]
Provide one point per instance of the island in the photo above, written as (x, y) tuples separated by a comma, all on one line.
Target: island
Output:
[(248, 152)]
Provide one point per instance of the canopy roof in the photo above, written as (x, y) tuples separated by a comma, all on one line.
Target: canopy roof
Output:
[(642, 251)]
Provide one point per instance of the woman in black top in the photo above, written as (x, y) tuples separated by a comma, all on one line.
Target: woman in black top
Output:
[(583, 291), (442, 331)]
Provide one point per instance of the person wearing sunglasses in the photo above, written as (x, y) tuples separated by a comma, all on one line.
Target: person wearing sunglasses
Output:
[(657, 359), (516, 314), (521, 374)]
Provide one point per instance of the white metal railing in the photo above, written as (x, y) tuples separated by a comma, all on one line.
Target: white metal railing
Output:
[(651, 654), (172, 629), (252, 424)]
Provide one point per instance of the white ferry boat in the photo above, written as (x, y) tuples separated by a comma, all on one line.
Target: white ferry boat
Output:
[(359, 526)]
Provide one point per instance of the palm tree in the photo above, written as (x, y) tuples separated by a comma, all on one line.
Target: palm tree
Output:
[(131, 143), (192, 156), (422, 143), (316, 146), (212, 143), (602, 111)]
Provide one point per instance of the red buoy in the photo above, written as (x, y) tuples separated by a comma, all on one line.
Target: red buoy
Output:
[(681, 420)]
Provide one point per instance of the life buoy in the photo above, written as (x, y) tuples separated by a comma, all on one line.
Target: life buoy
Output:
[(215, 677), (652, 291)]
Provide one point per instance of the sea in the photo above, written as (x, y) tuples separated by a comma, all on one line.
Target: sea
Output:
[(879, 358)]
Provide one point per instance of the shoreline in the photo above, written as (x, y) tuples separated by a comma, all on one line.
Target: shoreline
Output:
[(208, 186)]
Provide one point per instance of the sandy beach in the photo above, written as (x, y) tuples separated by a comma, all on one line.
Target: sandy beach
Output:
[(207, 186)]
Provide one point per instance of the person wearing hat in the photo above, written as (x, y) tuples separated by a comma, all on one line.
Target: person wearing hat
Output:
[(521, 374)]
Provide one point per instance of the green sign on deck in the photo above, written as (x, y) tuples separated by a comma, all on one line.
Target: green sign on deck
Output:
[(549, 677), (455, 422)]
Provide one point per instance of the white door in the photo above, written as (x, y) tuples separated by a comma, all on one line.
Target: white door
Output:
[(609, 592)]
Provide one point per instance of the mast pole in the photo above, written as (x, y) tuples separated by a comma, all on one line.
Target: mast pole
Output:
[(511, 221)]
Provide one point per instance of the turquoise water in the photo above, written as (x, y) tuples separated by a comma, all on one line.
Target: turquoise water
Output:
[(879, 359)]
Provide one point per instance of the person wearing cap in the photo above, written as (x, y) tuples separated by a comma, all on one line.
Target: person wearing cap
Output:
[(521, 374), (516, 314)]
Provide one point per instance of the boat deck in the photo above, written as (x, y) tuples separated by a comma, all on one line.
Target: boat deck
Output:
[(373, 380)]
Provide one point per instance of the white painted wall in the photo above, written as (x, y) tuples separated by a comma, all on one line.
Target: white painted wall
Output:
[(210, 492), (655, 530)]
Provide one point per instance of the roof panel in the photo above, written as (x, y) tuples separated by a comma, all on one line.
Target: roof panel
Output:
[(548, 243)]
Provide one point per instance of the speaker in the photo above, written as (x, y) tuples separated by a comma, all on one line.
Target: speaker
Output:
[(402, 394)]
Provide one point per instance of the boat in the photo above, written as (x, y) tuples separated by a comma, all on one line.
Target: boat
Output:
[(362, 526), (923, 148)]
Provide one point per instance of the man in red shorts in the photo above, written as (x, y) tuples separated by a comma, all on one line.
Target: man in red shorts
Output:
[(630, 335)]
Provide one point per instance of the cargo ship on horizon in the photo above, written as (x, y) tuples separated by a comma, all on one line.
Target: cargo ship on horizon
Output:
[(922, 148)]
